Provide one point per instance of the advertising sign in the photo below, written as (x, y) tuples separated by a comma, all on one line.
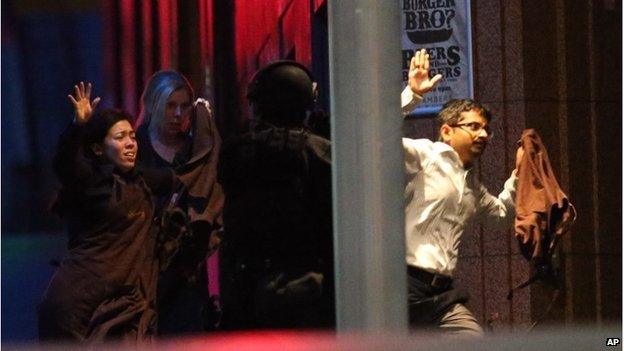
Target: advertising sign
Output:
[(442, 27)]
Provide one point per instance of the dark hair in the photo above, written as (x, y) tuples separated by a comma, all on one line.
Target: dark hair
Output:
[(99, 124), (282, 92), (451, 111), (95, 131)]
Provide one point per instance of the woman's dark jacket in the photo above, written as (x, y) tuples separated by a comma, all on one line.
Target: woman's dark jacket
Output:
[(106, 287), (182, 284)]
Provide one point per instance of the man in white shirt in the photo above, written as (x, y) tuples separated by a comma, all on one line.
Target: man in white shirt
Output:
[(442, 196)]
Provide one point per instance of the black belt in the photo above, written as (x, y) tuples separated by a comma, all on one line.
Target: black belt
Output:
[(438, 281)]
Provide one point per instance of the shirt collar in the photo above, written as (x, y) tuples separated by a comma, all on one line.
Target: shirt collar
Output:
[(446, 150), (130, 175), (441, 147)]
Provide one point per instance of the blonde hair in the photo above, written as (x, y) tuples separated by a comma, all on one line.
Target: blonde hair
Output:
[(154, 99)]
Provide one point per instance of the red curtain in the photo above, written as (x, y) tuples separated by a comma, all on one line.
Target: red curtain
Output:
[(144, 36), (268, 31), (140, 38)]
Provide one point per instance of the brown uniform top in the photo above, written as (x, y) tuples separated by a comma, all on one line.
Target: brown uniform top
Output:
[(543, 211), (106, 287)]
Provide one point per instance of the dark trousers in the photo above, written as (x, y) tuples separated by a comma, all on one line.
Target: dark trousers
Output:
[(426, 303)]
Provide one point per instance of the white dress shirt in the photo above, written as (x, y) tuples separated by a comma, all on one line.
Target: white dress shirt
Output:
[(409, 100), (441, 198)]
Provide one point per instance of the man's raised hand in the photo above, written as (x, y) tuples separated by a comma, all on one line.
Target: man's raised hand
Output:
[(419, 80)]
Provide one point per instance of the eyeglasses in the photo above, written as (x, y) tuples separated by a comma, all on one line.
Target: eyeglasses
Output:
[(475, 128)]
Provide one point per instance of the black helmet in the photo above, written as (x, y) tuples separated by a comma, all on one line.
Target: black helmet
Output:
[(282, 92)]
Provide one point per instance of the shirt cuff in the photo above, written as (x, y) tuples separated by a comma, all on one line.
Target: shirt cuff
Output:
[(511, 185), (409, 100)]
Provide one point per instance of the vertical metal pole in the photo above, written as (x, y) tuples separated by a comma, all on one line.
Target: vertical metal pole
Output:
[(365, 85)]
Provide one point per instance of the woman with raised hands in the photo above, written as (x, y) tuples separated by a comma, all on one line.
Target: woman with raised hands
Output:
[(105, 289)]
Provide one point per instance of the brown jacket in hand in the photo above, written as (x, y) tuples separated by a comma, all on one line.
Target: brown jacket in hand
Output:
[(543, 211)]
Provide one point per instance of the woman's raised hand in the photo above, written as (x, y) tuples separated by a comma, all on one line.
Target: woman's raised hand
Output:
[(205, 104), (83, 107)]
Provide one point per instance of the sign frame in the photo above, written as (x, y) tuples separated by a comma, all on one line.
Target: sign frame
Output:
[(432, 109)]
